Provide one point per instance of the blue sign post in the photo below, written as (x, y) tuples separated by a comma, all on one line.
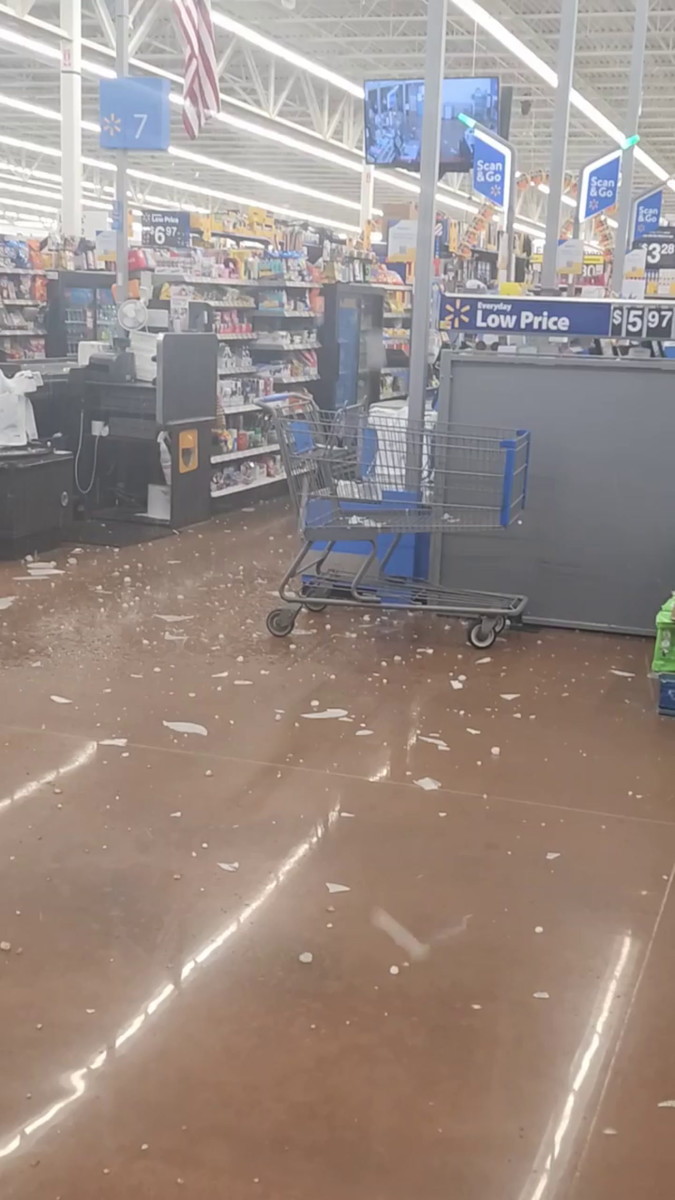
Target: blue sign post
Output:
[(491, 169), (134, 113), (599, 185), (647, 212)]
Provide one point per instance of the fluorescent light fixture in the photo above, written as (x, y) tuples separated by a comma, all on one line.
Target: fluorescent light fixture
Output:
[(289, 56), (501, 34), (36, 110), (630, 141), (36, 22), (543, 187), (283, 139), (532, 230), (466, 120), (14, 38), (29, 205), (231, 199), (21, 144), (299, 189)]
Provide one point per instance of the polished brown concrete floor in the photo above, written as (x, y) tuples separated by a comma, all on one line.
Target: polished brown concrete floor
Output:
[(511, 1038)]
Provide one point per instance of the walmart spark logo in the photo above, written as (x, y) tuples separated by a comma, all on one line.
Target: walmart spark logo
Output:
[(456, 314), (112, 125)]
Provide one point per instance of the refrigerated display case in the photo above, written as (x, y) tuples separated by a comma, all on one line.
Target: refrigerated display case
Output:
[(80, 308), (352, 353)]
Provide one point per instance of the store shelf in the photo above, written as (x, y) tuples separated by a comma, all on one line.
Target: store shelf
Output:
[(22, 333), (236, 337), (207, 280), (239, 371), (287, 316), (395, 396), (24, 303), (240, 408), (282, 283), (404, 316), (20, 271), (297, 346), (252, 450), (247, 487), (296, 379), (223, 307)]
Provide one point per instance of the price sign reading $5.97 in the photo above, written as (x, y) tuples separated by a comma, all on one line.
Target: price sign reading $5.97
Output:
[(643, 321)]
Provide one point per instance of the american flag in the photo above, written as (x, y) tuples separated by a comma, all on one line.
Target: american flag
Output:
[(201, 97)]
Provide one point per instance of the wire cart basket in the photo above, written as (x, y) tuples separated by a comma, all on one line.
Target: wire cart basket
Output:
[(370, 491)]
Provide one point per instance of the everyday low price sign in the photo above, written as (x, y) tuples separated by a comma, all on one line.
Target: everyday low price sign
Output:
[(571, 318), (165, 229)]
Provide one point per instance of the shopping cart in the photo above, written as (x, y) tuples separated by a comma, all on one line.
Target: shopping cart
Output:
[(370, 498)]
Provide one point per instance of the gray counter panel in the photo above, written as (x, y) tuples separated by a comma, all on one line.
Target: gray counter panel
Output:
[(597, 544)]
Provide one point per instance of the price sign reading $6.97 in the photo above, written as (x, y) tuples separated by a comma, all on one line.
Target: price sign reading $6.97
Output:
[(170, 229)]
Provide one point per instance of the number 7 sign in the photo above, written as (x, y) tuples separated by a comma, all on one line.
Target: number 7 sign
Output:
[(134, 113)]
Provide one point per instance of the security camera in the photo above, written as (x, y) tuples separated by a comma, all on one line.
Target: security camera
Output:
[(525, 107)]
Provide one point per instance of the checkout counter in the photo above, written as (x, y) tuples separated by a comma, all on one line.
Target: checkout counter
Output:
[(113, 448)]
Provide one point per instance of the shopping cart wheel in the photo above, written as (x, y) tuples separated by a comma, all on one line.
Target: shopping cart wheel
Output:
[(482, 634), (313, 606), (280, 621), (500, 625)]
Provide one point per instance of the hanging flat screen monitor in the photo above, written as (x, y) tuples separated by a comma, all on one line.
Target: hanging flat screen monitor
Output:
[(393, 120)]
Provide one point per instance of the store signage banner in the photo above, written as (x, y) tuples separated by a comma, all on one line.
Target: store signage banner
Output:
[(634, 274), (524, 315), (599, 185), (165, 229), (491, 169), (570, 257), (647, 213), (570, 318), (134, 113)]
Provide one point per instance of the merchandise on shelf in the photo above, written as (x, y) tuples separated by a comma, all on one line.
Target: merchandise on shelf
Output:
[(285, 339), (394, 383), (246, 473)]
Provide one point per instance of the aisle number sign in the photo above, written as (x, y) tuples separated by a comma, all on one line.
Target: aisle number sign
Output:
[(134, 113), (571, 318), (599, 185), (170, 228)]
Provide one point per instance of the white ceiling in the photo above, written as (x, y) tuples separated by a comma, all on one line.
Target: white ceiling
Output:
[(357, 39)]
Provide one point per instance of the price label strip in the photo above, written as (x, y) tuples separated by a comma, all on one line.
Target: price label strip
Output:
[(643, 321)]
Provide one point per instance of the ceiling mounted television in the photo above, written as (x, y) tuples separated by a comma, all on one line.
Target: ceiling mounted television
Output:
[(393, 120)]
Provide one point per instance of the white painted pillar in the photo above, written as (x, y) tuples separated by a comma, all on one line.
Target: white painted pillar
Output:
[(367, 188), (71, 117)]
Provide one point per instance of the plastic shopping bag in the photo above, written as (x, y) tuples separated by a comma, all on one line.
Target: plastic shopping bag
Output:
[(17, 419)]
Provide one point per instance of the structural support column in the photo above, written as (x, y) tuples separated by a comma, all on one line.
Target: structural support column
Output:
[(434, 64), (71, 117), (561, 112), (633, 110), (367, 188), (121, 156)]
